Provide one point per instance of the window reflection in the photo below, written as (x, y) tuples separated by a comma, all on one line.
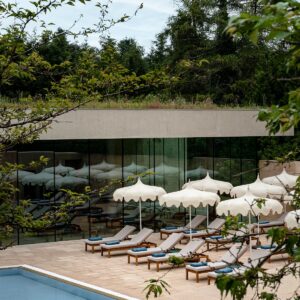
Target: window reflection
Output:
[(105, 165)]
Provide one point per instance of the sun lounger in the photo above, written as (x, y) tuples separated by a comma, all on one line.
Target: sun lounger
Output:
[(197, 220), (229, 258), (255, 258), (165, 246), (189, 249), (138, 240), (212, 229), (268, 224), (235, 236), (120, 236), (276, 252)]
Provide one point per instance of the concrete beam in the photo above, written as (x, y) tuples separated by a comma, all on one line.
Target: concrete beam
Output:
[(156, 123)]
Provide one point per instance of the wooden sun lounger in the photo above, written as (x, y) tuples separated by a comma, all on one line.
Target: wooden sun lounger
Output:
[(196, 221), (230, 257), (165, 246), (138, 240), (255, 258), (212, 229), (190, 248), (120, 236), (233, 237)]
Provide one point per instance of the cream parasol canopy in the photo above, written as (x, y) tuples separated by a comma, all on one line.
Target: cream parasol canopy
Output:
[(259, 189), (138, 192), (249, 205), (39, 178), (134, 168), (59, 169), (164, 169), (20, 174), (210, 185), (67, 181), (283, 179), (113, 174), (292, 220), (189, 198), (104, 166), (198, 172), (85, 172)]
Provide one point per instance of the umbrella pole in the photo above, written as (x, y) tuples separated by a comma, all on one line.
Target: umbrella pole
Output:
[(207, 216), (258, 230), (191, 223), (140, 204), (250, 239)]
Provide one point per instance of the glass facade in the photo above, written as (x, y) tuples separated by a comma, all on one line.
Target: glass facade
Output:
[(169, 163)]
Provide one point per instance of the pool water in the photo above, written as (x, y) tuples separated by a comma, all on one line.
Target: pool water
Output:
[(22, 284)]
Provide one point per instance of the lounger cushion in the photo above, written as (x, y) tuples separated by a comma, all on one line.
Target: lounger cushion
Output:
[(170, 227), (112, 243), (95, 238), (160, 254), (224, 271), (266, 247), (198, 264), (216, 237), (190, 231), (263, 222), (139, 249)]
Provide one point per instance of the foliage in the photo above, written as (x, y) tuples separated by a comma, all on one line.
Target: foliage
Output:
[(156, 287), (14, 215), (278, 24), (33, 65)]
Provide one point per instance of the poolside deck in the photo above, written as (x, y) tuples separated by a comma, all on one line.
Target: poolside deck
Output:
[(68, 258)]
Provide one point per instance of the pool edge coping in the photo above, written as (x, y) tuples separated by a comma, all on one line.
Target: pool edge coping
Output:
[(74, 282)]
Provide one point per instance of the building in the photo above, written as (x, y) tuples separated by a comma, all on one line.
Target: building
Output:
[(170, 146)]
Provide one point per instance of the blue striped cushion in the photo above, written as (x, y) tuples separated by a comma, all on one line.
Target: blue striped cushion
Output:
[(112, 243), (161, 254), (224, 270), (199, 264), (139, 249), (95, 238)]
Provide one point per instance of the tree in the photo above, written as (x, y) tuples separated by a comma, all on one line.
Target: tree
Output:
[(235, 71), (24, 123), (132, 56), (278, 22)]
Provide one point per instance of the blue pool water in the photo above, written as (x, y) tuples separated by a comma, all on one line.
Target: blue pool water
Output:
[(22, 284)]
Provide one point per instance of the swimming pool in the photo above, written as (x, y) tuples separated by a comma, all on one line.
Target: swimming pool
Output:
[(29, 283)]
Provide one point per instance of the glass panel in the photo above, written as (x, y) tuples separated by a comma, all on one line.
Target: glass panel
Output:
[(38, 188), (11, 157), (106, 160), (72, 164)]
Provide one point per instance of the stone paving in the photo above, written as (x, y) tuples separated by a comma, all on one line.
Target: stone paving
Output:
[(68, 258)]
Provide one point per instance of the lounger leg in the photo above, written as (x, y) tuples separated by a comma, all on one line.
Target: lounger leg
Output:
[(157, 267), (197, 277), (161, 235), (136, 260), (108, 253), (208, 280), (102, 251), (186, 274), (93, 248), (128, 258), (149, 264)]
